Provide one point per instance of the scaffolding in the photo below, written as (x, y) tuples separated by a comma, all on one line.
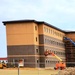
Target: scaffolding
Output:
[(69, 51)]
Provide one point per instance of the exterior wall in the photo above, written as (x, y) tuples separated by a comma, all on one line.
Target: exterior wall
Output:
[(22, 42), (71, 36), (51, 39), (21, 34), (49, 31), (28, 41), (26, 52)]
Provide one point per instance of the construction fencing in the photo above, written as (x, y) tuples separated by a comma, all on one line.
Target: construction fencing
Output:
[(19, 69)]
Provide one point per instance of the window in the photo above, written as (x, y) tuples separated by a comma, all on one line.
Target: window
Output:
[(54, 52), (35, 27), (36, 39), (57, 43), (37, 50), (44, 28), (47, 30), (45, 40), (51, 31), (46, 61), (37, 60)]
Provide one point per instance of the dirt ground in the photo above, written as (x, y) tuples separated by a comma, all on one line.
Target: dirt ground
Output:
[(27, 71)]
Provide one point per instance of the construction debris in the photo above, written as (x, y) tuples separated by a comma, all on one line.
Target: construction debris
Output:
[(67, 71)]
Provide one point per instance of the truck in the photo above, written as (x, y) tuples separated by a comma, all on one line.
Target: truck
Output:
[(2, 65), (60, 64)]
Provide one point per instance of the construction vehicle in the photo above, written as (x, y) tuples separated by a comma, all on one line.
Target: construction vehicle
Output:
[(2, 65), (60, 64)]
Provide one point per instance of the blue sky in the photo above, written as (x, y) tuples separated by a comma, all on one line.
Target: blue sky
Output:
[(60, 13)]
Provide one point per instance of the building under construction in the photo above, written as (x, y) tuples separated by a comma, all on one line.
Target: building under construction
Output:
[(69, 41), (27, 40)]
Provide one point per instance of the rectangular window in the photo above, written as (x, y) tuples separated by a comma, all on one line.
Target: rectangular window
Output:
[(44, 29), (46, 61), (36, 39), (37, 61), (37, 51), (35, 27)]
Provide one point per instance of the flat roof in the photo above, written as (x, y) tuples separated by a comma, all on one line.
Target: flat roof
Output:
[(37, 22), (68, 31)]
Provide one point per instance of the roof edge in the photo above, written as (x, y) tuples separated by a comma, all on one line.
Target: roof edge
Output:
[(28, 20)]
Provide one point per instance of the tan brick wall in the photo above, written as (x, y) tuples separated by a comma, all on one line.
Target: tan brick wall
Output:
[(49, 31), (21, 34)]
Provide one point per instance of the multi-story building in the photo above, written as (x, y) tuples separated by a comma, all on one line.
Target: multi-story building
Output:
[(29, 39)]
